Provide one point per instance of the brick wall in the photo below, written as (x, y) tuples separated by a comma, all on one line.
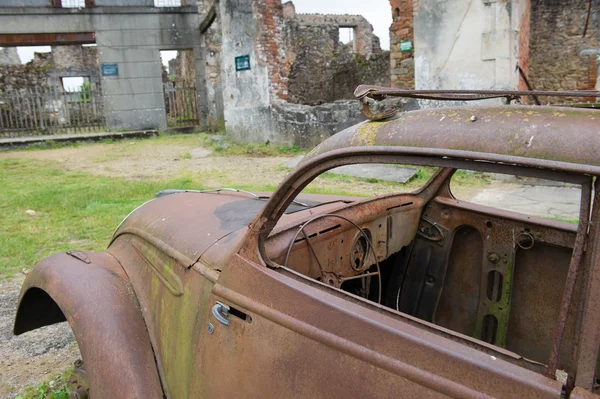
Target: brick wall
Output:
[(270, 46), (524, 37), (560, 58), (402, 65)]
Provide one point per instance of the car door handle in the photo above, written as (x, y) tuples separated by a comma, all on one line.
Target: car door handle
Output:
[(221, 312)]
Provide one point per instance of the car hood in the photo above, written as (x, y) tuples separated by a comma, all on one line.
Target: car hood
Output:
[(186, 224)]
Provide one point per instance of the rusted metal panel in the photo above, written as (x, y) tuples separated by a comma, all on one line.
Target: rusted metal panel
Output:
[(541, 133), (98, 302), (207, 217), (46, 39), (172, 300), (580, 393), (500, 230), (418, 361), (588, 347), (572, 276)]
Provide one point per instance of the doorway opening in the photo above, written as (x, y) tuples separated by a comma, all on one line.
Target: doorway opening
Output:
[(179, 81)]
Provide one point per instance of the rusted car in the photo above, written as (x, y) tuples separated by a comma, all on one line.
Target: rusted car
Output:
[(228, 294)]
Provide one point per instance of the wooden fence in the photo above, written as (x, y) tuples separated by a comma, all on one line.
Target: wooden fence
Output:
[(48, 111)]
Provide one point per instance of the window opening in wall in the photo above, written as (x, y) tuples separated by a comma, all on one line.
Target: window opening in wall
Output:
[(73, 3), (396, 13), (168, 3), (76, 84), (347, 35), (179, 81)]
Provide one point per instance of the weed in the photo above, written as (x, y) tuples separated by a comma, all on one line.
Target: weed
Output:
[(55, 388)]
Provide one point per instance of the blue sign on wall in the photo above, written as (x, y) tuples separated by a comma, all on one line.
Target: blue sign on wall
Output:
[(110, 70), (242, 63)]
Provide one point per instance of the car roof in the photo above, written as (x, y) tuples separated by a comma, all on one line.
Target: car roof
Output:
[(552, 135)]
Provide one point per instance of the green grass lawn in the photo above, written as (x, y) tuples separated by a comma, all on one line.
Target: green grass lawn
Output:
[(79, 210), (73, 210)]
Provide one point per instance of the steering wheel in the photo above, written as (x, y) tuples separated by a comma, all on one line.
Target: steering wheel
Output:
[(328, 277)]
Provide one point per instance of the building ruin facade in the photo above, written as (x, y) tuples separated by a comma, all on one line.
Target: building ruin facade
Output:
[(265, 73)]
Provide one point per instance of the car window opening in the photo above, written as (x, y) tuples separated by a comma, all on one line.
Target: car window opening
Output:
[(480, 265)]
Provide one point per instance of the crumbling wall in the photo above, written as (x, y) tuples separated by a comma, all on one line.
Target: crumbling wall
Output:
[(298, 69), (363, 31), (560, 58), (75, 58), (322, 68), (75, 61), (34, 74)]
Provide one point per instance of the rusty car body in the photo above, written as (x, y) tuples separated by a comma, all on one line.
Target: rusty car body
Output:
[(224, 294)]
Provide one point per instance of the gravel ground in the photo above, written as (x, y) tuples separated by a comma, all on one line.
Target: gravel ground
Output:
[(32, 357)]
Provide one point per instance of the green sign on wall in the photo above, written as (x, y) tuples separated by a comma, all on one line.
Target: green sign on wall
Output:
[(406, 46), (242, 63)]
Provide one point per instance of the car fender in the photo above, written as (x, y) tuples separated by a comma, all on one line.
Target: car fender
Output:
[(92, 292)]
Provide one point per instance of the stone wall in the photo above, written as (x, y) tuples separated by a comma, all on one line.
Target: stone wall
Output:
[(302, 125), (308, 126), (402, 64), (75, 58), (47, 69), (34, 74), (75, 61), (560, 58), (322, 68), (365, 42)]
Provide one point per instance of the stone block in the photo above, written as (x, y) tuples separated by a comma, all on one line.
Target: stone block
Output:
[(400, 71), (407, 63)]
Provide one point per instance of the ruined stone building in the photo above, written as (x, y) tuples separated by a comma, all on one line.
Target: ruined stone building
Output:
[(48, 69), (299, 84), (263, 72)]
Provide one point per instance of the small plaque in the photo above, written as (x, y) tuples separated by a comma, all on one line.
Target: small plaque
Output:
[(242, 63), (110, 70), (406, 46)]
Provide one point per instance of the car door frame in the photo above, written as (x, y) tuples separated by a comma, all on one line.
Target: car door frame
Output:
[(254, 249)]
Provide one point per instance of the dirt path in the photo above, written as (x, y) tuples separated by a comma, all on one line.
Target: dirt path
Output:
[(33, 357), (159, 159)]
